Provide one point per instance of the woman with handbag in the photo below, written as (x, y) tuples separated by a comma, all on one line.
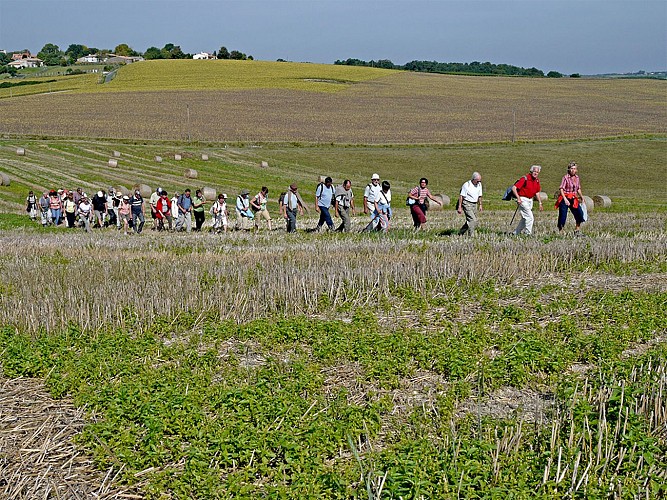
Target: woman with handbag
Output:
[(418, 202)]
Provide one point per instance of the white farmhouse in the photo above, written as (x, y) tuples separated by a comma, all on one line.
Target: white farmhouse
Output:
[(28, 62), (203, 55)]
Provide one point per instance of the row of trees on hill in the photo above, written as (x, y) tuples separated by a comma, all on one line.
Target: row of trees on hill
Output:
[(473, 68)]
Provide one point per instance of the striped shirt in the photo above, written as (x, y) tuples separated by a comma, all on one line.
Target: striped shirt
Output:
[(570, 184), (420, 193)]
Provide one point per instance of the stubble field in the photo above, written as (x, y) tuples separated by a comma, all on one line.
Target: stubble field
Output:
[(222, 101), (406, 365)]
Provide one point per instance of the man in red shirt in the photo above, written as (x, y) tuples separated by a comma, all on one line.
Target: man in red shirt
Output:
[(525, 190)]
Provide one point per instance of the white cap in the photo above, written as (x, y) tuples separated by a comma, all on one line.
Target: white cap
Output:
[(224, 195), (375, 176), (100, 194)]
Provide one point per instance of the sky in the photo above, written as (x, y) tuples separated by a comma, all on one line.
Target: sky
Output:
[(569, 36)]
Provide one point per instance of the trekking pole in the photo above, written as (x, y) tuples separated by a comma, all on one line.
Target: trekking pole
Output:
[(512, 221)]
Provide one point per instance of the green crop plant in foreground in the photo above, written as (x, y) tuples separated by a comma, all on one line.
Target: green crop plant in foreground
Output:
[(302, 407)]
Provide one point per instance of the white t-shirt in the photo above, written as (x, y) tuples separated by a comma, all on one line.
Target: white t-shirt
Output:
[(372, 194), (174, 203), (470, 192)]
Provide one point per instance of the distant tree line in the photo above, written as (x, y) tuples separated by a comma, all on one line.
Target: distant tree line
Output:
[(473, 68)]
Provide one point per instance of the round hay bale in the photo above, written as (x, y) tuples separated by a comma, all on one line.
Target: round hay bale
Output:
[(113, 163), (601, 201), (20, 151), (116, 154), (177, 157), (144, 190), (542, 196), (321, 178), (158, 159), (264, 164), (209, 193), (191, 173), (589, 203), (443, 199), (204, 157), (123, 190), (4, 179)]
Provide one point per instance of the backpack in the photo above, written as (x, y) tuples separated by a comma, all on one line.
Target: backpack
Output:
[(509, 194)]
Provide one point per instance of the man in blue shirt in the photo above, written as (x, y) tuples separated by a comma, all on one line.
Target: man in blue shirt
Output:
[(324, 195), (184, 212)]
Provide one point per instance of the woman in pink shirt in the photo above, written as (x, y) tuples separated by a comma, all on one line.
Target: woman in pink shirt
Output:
[(570, 197)]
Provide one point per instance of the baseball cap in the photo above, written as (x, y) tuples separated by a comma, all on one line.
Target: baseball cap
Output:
[(375, 176)]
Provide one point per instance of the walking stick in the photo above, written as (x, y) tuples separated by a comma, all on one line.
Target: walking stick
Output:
[(517, 209)]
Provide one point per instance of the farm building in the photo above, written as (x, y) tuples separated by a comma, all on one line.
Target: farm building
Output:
[(31, 62), (114, 59), (17, 56), (89, 59), (203, 55)]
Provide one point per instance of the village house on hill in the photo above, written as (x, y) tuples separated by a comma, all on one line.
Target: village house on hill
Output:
[(25, 60), (203, 55), (108, 59)]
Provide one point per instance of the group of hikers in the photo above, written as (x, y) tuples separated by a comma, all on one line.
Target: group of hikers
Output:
[(74, 208)]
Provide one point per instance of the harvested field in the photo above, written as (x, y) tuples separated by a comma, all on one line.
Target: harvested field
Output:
[(403, 108), (38, 456)]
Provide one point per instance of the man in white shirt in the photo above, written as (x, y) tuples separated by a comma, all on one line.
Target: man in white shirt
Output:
[(371, 197), (471, 195)]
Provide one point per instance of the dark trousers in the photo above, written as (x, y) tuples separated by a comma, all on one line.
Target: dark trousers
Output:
[(200, 217), (562, 213), (325, 216), (71, 219)]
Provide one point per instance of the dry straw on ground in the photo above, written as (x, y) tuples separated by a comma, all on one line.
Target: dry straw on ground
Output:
[(38, 458), (242, 276)]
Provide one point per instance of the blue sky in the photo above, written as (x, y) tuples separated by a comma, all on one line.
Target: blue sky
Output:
[(580, 36)]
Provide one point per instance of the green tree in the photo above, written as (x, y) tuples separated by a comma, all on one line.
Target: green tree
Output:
[(171, 51), (124, 50), (51, 55), (8, 69), (223, 53), (153, 53), (575, 75), (554, 74), (74, 51), (235, 54), (4, 59), (177, 53)]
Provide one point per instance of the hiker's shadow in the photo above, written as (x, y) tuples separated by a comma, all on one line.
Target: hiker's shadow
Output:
[(448, 232)]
